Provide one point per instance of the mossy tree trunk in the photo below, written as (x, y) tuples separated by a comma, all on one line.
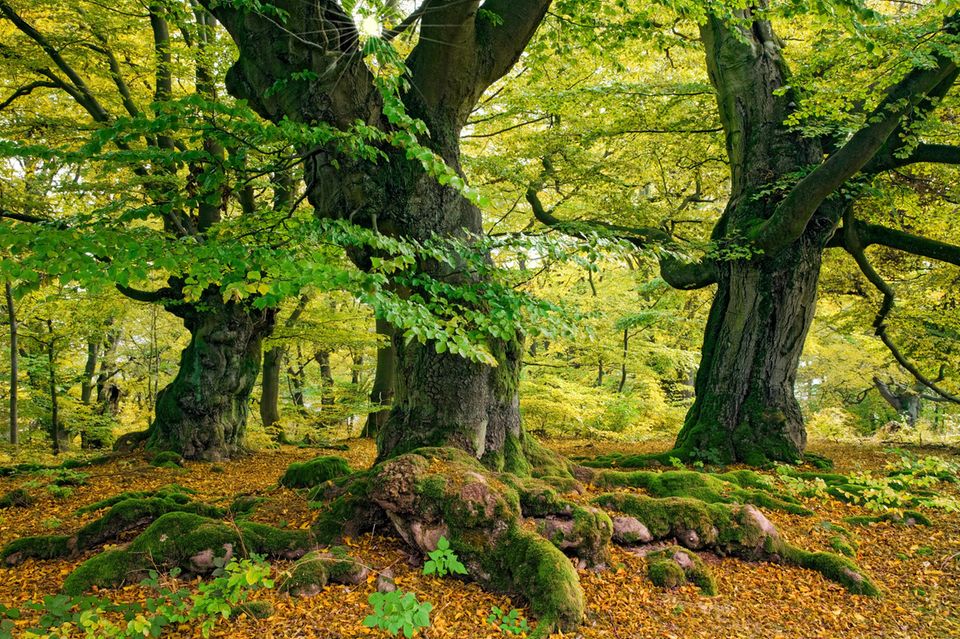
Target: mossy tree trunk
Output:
[(785, 205), (440, 399), (202, 413)]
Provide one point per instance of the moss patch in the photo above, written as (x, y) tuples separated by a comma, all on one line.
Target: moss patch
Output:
[(314, 472), (16, 498), (674, 566)]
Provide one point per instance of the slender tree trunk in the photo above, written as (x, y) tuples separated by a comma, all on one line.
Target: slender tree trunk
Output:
[(202, 414), (383, 382), (88, 383), (326, 378), (623, 363), (295, 382), (56, 432), (14, 364), (270, 390)]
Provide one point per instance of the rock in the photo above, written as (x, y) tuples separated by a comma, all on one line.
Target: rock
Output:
[(628, 531), (385, 582)]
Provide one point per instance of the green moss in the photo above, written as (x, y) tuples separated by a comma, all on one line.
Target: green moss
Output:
[(181, 539), (16, 498), (43, 547), (817, 461), (108, 569), (310, 572), (711, 488), (524, 562), (906, 518), (167, 458), (314, 472), (843, 546), (663, 566), (254, 609), (666, 574), (175, 492), (833, 567), (245, 505)]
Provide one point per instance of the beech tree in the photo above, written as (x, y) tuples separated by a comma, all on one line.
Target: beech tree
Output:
[(792, 196)]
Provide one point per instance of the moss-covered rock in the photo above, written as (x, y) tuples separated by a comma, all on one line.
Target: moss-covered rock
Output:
[(16, 498), (674, 566), (190, 542), (314, 472), (585, 534)]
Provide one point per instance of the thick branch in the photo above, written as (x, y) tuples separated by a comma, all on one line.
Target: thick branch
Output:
[(790, 218), (26, 90), (855, 247), (677, 273)]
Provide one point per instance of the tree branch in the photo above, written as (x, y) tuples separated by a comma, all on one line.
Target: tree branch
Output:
[(679, 274), (855, 247), (25, 90), (790, 218)]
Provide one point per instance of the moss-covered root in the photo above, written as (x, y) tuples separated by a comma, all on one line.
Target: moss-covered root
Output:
[(315, 570), (190, 542), (905, 518), (314, 472), (434, 492), (167, 459), (730, 529), (128, 514), (674, 566), (742, 486), (177, 492), (16, 498)]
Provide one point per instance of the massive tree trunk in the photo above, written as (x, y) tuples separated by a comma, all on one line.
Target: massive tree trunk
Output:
[(202, 414), (745, 408), (441, 399)]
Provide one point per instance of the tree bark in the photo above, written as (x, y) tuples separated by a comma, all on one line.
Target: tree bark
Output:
[(270, 388), (383, 382), (14, 364), (57, 433), (202, 414)]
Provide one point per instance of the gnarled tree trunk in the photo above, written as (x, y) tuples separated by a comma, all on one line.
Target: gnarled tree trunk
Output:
[(202, 414), (384, 381), (745, 408)]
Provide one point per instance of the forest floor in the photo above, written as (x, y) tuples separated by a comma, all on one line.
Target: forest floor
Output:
[(917, 568)]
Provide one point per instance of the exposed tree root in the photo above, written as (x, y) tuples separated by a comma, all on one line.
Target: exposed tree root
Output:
[(190, 542), (315, 570), (731, 530), (739, 486), (127, 514)]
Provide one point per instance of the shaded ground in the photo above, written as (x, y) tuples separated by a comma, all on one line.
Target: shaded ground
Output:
[(917, 568)]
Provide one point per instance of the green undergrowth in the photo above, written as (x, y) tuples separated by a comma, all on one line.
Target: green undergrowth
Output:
[(173, 603)]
